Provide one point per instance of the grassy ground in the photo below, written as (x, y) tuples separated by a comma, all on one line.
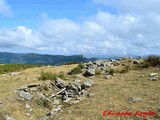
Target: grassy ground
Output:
[(8, 84), (111, 94)]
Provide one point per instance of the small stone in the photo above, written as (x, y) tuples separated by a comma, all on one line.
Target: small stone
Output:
[(90, 94), (56, 102), (7, 117), (67, 100), (74, 102), (133, 100), (55, 110), (27, 114), (154, 74), (28, 106), (153, 79), (40, 95), (107, 76), (141, 76), (88, 83), (15, 73), (79, 76), (25, 95)]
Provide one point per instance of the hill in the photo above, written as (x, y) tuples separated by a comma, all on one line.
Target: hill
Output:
[(33, 58), (115, 89)]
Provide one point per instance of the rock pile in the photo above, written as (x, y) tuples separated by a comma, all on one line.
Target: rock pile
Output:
[(59, 93), (101, 65)]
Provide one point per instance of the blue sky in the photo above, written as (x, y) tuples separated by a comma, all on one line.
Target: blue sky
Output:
[(94, 28)]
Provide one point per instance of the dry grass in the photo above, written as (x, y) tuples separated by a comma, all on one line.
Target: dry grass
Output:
[(8, 84), (111, 94)]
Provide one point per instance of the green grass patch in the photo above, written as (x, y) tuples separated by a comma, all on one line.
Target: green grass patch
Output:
[(15, 67)]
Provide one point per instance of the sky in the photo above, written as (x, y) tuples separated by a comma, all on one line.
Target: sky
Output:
[(94, 28)]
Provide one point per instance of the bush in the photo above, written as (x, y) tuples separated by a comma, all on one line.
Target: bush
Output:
[(153, 60), (51, 76), (98, 72), (124, 70), (77, 70), (111, 71), (61, 75), (48, 76), (70, 63)]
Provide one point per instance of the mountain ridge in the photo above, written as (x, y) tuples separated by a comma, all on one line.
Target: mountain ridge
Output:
[(44, 59)]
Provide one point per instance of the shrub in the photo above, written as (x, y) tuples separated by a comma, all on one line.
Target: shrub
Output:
[(124, 70), (61, 75), (98, 72), (153, 60), (77, 70), (48, 76), (70, 63), (111, 71), (51, 76)]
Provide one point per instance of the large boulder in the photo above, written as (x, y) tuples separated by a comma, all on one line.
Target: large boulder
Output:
[(60, 83), (25, 95), (90, 72)]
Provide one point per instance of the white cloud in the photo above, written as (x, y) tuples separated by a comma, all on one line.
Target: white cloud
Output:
[(5, 9), (133, 31)]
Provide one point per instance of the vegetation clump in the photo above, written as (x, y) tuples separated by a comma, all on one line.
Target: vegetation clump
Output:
[(6, 68), (70, 63), (153, 60), (51, 76), (77, 70)]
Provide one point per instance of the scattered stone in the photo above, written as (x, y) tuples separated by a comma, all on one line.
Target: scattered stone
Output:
[(79, 76), (133, 100), (60, 83), (33, 85), (28, 107), (15, 73), (55, 110), (74, 102), (154, 75), (67, 100), (56, 102), (7, 117), (90, 94), (153, 79), (34, 79), (141, 76), (88, 83), (33, 89), (27, 114), (25, 95), (40, 95), (90, 72), (107, 76)]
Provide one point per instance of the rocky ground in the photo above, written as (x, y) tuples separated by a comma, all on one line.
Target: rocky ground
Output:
[(115, 84)]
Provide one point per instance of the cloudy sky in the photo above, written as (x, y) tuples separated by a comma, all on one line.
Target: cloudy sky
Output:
[(94, 28)]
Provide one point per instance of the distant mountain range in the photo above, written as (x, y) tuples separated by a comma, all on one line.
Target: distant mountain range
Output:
[(33, 58)]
